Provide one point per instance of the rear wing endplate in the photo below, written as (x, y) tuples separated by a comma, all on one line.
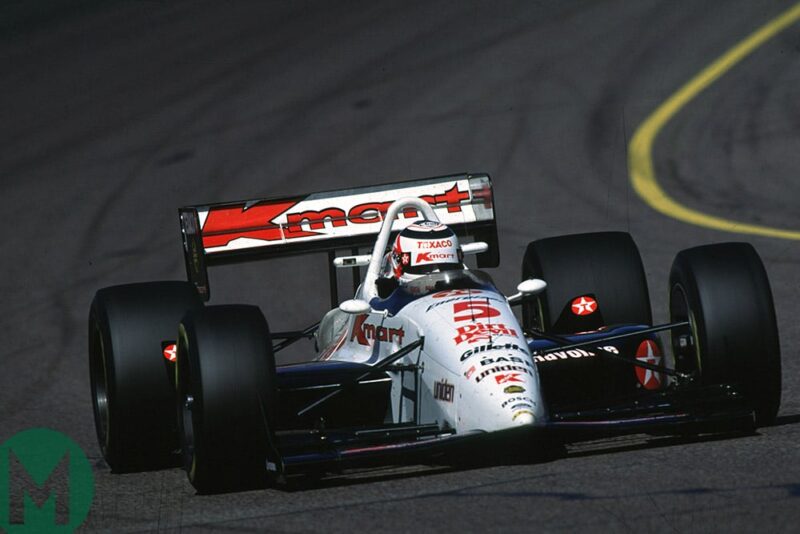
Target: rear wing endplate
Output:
[(346, 219)]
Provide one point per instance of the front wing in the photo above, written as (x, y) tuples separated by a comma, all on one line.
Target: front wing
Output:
[(693, 410)]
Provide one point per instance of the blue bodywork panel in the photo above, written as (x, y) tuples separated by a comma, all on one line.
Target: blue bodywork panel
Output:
[(543, 344)]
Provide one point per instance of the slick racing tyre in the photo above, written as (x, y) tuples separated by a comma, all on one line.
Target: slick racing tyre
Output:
[(604, 267), (132, 389), (724, 293), (227, 396)]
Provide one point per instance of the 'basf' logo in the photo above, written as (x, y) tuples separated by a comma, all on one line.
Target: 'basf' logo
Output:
[(46, 483)]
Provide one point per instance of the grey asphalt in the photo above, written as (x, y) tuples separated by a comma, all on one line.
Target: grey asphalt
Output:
[(115, 114)]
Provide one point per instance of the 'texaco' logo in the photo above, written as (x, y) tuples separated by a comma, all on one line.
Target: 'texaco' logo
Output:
[(46, 483), (584, 305)]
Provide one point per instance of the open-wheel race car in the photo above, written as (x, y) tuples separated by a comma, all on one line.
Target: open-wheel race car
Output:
[(428, 360)]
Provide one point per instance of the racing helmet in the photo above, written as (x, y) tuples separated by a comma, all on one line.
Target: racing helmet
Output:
[(424, 247)]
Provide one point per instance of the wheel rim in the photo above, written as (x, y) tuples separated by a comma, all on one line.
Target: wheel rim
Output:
[(99, 381), (187, 402), (186, 407), (687, 359)]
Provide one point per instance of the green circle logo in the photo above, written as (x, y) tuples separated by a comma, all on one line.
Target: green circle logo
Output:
[(46, 483)]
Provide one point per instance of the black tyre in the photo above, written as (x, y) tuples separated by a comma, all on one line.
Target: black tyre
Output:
[(132, 387), (227, 396), (606, 265), (724, 292)]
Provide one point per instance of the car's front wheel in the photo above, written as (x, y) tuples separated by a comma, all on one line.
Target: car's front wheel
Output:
[(227, 397), (722, 290)]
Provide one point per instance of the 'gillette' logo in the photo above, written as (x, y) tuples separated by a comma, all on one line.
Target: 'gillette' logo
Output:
[(490, 346)]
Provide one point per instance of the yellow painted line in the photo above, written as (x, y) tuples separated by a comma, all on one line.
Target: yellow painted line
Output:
[(640, 159)]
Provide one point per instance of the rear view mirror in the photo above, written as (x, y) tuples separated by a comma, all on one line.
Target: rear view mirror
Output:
[(530, 287), (355, 306), (352, 261), (477, 247), (527, 288)]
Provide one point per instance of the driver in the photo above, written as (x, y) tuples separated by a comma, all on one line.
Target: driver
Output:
[(421, 248)]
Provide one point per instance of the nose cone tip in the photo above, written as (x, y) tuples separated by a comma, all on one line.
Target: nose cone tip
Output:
[(523, 417)]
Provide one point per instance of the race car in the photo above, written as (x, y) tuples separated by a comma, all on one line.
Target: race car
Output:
[(428, 361)]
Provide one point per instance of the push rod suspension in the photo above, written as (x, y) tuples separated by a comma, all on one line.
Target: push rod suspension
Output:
[(566, 344)]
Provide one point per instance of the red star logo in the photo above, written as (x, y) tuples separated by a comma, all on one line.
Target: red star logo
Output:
[(584, 305), (405, 258), (171, 352), (648, 352)]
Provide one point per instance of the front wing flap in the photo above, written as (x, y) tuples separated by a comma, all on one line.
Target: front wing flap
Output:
[(696, 409), (707, 409), (316, 451)]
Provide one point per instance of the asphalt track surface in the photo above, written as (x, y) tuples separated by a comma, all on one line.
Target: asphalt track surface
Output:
[(116, 114)]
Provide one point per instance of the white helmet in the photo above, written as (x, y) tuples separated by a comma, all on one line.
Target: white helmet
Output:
[(425, 247)]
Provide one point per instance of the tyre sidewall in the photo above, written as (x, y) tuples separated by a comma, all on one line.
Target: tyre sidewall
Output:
[(225, 362), (131, 322), (605, 264), (730, 300)]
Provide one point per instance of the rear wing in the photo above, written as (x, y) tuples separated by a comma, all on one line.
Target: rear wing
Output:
[(347, 219)]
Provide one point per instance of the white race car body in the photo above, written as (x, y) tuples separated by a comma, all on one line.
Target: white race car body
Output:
[(476, 371)]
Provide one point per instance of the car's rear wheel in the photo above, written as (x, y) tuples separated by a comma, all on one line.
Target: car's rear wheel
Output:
[(604, 265), (132, 389), (227, 396), (723, 291)]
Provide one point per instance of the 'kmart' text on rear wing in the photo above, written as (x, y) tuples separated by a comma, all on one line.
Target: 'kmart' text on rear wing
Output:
[(347, 219)]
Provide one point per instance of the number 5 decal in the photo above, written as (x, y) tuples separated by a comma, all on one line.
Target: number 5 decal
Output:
[(472, 310)]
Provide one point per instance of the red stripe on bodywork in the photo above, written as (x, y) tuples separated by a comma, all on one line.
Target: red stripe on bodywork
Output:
[(226, 223)]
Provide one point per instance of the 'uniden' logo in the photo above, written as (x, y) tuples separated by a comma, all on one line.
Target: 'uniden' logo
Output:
[(46, 483)]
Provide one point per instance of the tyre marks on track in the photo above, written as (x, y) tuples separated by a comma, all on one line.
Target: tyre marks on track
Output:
[(640, 157)]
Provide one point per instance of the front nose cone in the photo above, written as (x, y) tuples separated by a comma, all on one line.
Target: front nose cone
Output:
[(523, 417)]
